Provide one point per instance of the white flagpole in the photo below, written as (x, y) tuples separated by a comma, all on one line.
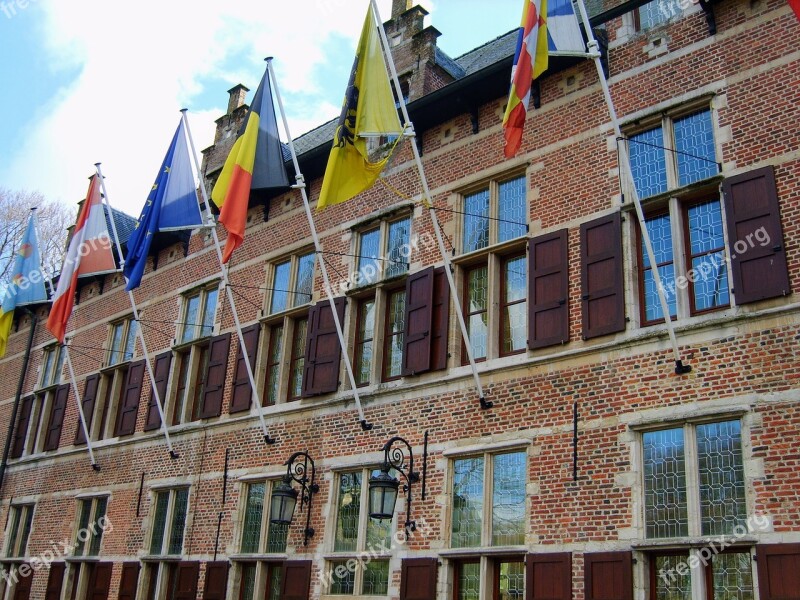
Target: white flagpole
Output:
[(254, 397), (140, 331), (301, 185), (436, 228), (626, 173), (95, 466)]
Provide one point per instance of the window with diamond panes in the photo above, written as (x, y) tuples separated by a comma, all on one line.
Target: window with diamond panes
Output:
[(657, 12), (678, 152), (169, 521), (292, 282), (513, 306), (713, 453), (52, 366), (200, 309), (477, 310), (393, 336), (259, 535), (91, 520), (700, 283), (18, 530), (297, 358), (250, 580), (123, 341), (495, 214), (273, 382), (365, 335), (355, 534), (488, 501), (383, 251), (720, 576)]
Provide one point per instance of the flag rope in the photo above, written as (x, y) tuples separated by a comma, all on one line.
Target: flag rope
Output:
[(427, 194), (95, 466), (135, 309), (301, 185)]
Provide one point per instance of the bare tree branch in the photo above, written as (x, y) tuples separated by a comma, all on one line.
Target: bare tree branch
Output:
[(53, 219)]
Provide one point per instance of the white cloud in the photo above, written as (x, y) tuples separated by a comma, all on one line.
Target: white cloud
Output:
[(140, 63)]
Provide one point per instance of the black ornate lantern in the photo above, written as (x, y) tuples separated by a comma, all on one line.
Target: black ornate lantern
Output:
[(284, 496), (383, 488)]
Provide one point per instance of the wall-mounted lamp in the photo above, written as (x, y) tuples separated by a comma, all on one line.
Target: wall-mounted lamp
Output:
[(284, 496), (383, 488)]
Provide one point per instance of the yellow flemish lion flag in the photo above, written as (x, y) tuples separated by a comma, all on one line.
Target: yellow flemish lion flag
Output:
[(368, 111)]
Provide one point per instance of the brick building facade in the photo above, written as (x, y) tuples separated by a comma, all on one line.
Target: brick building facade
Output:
[(599, 473)]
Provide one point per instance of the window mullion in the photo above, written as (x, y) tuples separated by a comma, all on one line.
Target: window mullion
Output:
[(692, 481), (263, 537), (669, 145), (680, 260), (486, 530), (494, 211), (494, 279), (171, 495)]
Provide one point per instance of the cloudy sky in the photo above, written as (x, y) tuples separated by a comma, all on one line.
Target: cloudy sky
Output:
[(102, 81)]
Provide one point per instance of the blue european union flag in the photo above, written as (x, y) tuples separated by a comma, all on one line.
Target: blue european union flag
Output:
[(171, 206)]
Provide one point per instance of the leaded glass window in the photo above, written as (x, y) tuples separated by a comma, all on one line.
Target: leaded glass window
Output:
[(280, 287), (369, 254), (169, 521), (356, 536), (52, 365), (123, 341), (713, 452), (259, 534), (273, 365), (476, 221), (495, 214), (477, 310), (19, 528), (709, 286), (200, 309), (398, 249), (383, 251), (393, 338), (488, 500), (297, 361), (671, 578), (659, 229), (91, 521), (469, 581), (365, 334), (292, 282), (648, 162), (513, 306), (511, 210)]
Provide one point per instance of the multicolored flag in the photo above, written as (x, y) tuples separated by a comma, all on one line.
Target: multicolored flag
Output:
[(171, 206), (27, 282), (795, 4), (368, 110), (254, 163), (88, 253), (530, 61)]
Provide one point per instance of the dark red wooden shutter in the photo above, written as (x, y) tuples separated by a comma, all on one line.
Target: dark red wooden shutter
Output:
[(100, 581), (22, 590), (240, 397), (601, 277), (129, 581), (23, 420), (131, 395), (548, 576), (418, 321), (323, 351), (418, 578), (56, 422), (186, 580), (161, 372), (608, 576), (216, 580), (778, 571), (88, 400), (295, 580), (440, 322), (548, 290), (55, 579), (755, 236), (215, 379)]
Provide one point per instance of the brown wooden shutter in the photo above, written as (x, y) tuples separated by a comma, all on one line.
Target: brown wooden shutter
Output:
[(418, 321), (242, 392), (87, 402), (601, 277), (100, 581), (440, 322), (56, 422), (323, 351), (185, 585), (548, 290), (22, 590), (129, 581), (295, 580), (215, 378), (548, 576), (23, 420), (161, 372), (216, 580), (131, 395), (55, 579), (608, 576), (778, 571), (418, 578), (758, 260)]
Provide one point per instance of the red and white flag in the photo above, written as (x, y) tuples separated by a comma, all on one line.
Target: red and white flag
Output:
[(89, 253), (795, 4)]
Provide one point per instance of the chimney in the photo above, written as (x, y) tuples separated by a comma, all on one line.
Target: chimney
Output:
[(399, 7), (238, 93)]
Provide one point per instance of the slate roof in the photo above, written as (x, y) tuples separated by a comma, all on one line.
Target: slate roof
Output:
[(124, 222)]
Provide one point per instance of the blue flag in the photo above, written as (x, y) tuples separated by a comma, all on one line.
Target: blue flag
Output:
[(171, 206), (27, 282)]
